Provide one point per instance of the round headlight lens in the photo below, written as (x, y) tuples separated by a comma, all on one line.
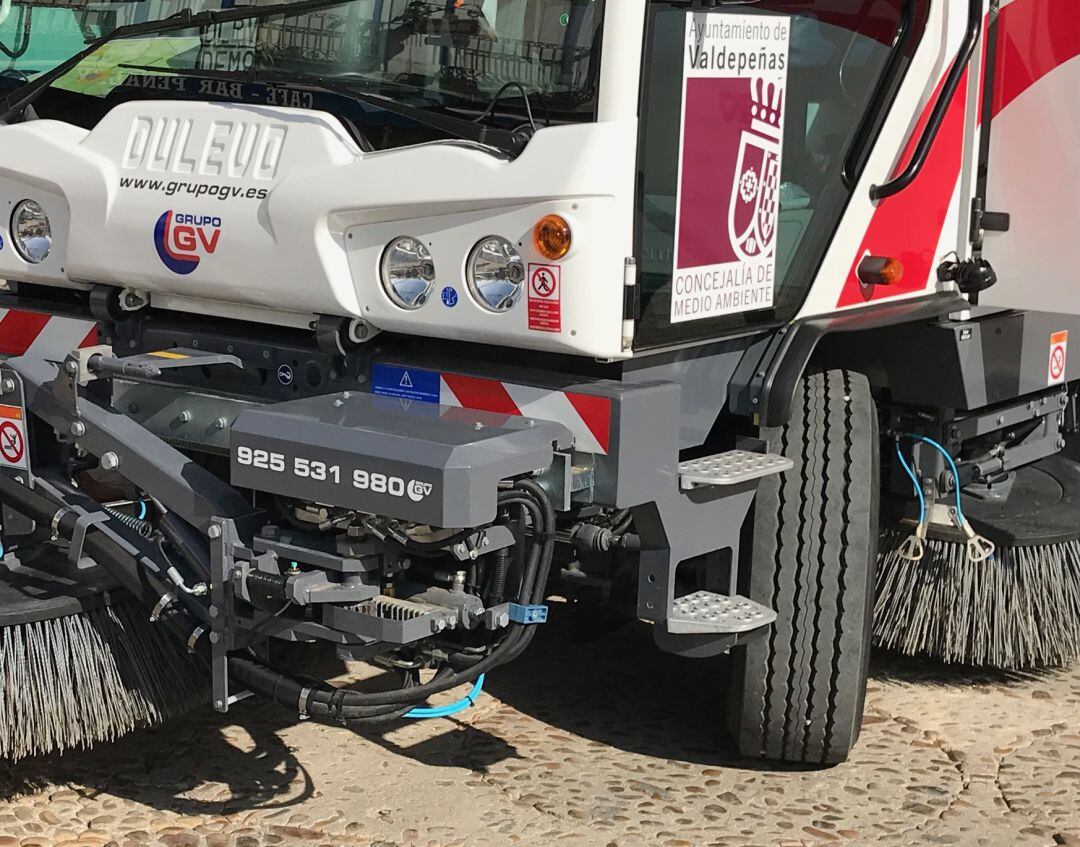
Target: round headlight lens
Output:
[(31, 232), (495, 274), (408, 273)]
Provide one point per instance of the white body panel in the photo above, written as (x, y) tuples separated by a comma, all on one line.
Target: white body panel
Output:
[(313, 245), (1035, 177)]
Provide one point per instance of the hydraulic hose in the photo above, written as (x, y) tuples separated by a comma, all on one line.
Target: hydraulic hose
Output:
[(117, 562), (346, 706)]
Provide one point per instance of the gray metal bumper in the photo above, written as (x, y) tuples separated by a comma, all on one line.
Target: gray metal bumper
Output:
[(422, 462)]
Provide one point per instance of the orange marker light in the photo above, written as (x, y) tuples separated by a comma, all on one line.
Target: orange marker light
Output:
[(880, 270), (551, 237)]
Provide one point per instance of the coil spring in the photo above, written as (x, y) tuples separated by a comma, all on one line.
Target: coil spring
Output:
[(143, 528)]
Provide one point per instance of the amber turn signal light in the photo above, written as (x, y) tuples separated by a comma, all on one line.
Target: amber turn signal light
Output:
[(551, 237), (880, 270)]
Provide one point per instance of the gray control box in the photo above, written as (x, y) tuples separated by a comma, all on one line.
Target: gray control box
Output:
[(423, 462)]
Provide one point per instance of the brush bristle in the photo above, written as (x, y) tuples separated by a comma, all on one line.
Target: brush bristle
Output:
[(73, 681), (1019, 609)]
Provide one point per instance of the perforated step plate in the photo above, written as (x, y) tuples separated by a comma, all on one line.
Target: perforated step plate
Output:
[(705, 611), (731, 468)]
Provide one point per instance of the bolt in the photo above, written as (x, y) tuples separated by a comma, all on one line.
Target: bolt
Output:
[(1061, 443), (214, 531), (7, 385), (184, 416), (109, 461), (133, 408), (71, 366), (219, 704), (214, 611), (438, 625), (78, 429), (531, 422), (215, 637), (338, 403), (1001, 420), (478, 426), (220, 423)]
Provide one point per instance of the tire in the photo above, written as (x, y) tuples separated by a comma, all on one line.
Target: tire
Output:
[(798, 692)]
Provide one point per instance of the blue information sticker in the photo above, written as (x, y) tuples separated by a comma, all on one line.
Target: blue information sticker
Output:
[(409, 383), (285, 375), (449, 297)]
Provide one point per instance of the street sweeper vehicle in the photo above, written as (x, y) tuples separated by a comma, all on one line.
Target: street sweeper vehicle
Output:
[(370, 325)]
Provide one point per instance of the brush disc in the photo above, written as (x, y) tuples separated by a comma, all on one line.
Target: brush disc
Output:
[(1043, 506), (1019, 609)]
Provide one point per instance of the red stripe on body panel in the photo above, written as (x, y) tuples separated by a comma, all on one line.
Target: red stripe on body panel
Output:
[(907, 226), (484, 395), (587, 416), (92, 337), (1034, 38), (18, 331), (596, 413)]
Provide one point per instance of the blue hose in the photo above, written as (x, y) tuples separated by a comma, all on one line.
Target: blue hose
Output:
[(450, 708), (914, 482), (952, 465)]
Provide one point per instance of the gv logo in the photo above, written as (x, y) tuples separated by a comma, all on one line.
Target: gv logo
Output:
[(182, 239), (419, 490)]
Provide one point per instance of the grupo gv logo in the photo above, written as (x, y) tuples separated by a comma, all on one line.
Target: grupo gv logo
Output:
[(182, 240)]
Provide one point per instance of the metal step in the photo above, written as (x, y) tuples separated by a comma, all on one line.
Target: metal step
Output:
[(731, 468), (707, 612)]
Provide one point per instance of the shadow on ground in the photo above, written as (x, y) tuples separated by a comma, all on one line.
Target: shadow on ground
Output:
[(615, 689)]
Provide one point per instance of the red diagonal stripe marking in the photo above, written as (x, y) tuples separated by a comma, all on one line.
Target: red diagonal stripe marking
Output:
[(484, 395), (91, 339), (596, 413), (18, 331)]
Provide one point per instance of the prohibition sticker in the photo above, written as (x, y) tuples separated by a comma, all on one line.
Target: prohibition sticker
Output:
[(12, 443), (545, 298), (1059, 357)]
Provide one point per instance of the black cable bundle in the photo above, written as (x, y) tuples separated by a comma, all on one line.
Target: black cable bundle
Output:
[(323, 701)]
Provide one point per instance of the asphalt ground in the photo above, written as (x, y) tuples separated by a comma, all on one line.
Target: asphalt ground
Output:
[(598, 741)]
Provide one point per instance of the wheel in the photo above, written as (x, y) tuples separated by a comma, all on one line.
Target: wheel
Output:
[(798, 692)]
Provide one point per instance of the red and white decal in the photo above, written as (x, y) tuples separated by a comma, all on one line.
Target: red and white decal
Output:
[(12, 437), (545, 298), (1059, 358), (587, 416), (45, 335)]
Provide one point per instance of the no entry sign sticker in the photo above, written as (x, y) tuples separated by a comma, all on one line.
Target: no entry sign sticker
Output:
[(545, 298), (1059, 357), (12, 437)]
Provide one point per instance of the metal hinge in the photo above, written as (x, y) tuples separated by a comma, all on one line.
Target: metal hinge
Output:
[(629, 303)]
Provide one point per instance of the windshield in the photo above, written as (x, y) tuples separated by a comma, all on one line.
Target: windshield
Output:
[(451, 55), (756, 122)]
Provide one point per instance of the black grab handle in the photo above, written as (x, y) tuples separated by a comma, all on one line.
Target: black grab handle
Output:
[(937, 117)]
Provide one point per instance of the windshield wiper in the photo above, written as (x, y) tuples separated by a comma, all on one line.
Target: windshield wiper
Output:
[(506, 141), (23, 96)]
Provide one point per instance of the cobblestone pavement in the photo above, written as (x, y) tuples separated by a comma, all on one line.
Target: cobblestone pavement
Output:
[(607, 742)]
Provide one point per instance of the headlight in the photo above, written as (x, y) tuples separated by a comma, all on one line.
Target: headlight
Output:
[(30, 231), (408, 274), (495, 274)]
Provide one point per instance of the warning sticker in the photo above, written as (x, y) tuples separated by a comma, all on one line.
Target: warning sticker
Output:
[(407, 383), (545, 298), (12, 437), (728, 204), (1059, 357)]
